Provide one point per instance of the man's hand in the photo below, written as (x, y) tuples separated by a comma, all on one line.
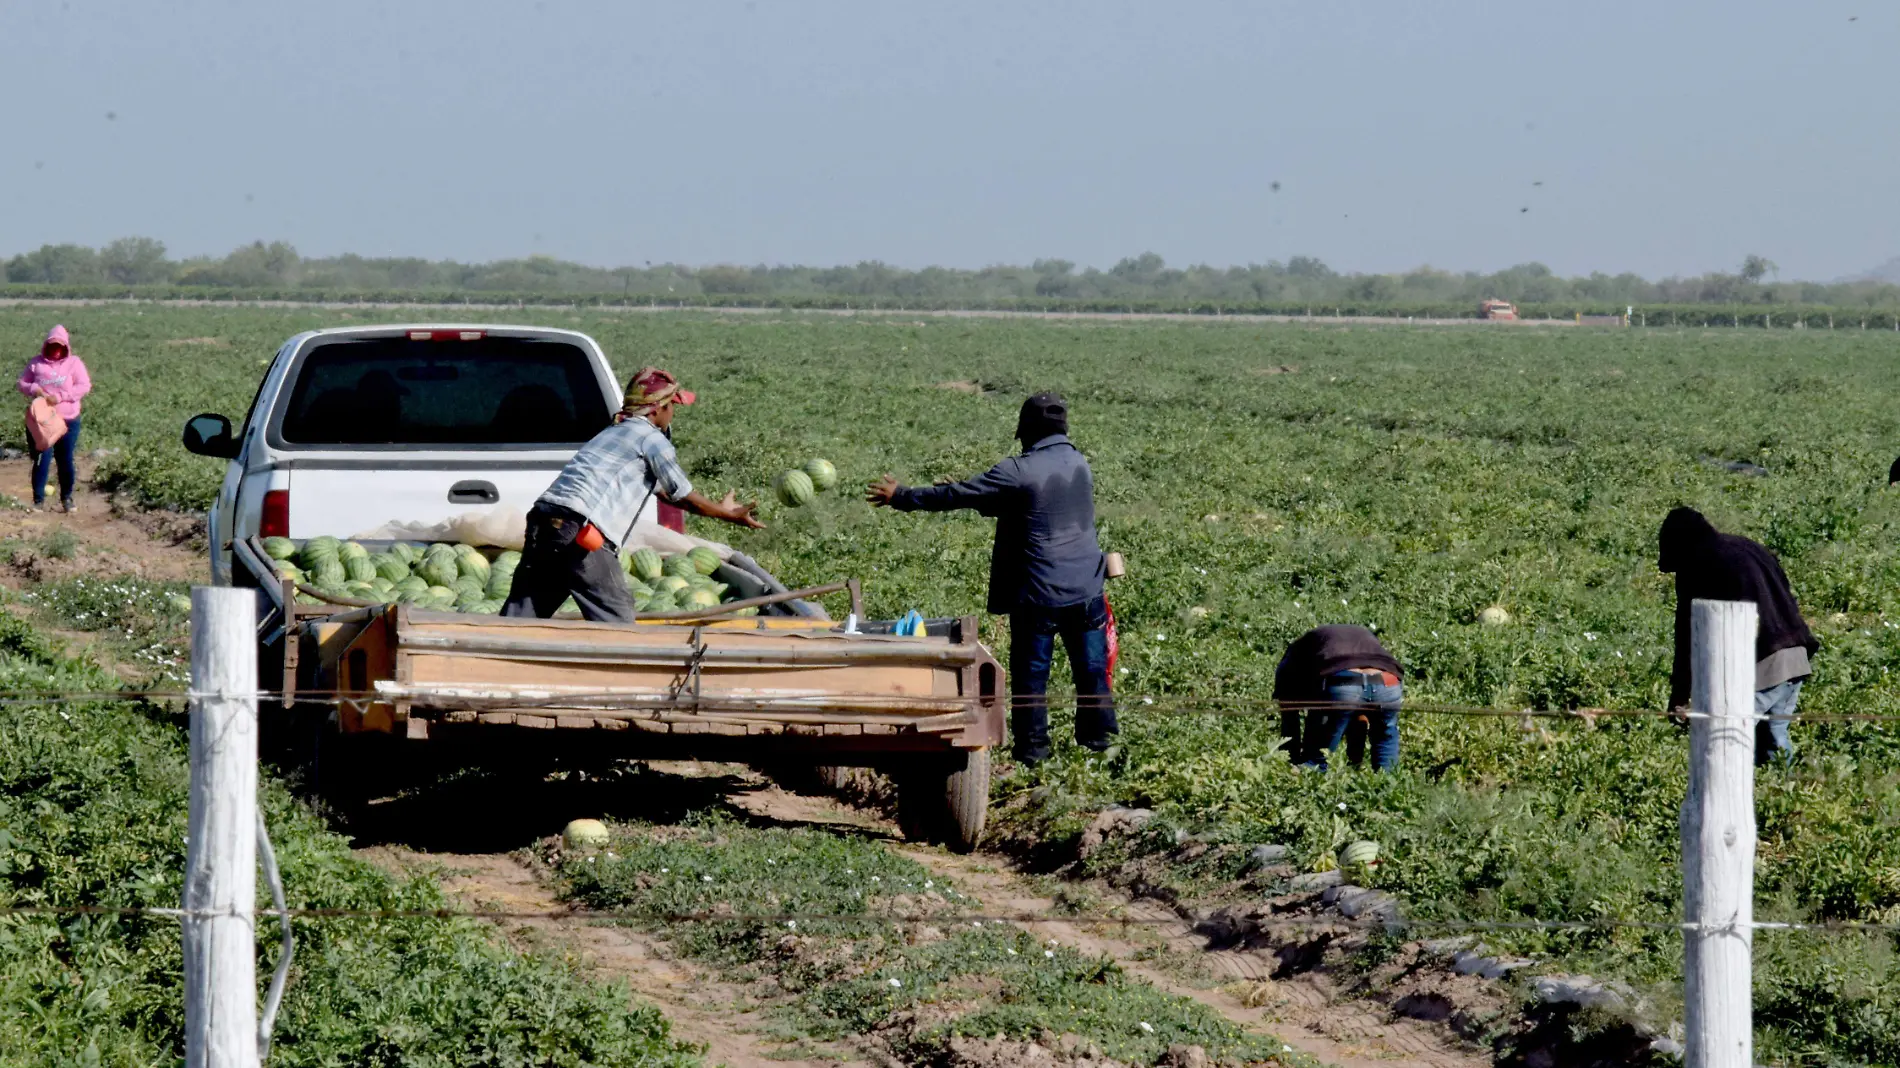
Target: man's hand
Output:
[(879, 493), (729, 509), (1679, 715)]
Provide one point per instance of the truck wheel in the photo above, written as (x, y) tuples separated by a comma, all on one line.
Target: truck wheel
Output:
[(832, 777), (350, 771), (947, 802)]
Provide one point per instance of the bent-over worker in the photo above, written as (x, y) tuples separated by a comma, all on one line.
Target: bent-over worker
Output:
[(1713, 566), (1046, 571), (1333, 675), (575, 528)]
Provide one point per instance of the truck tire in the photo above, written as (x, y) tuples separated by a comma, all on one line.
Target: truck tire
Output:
[(832, 777), (947, 802)]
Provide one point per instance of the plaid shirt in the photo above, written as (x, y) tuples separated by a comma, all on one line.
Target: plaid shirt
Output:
[(611, 477)]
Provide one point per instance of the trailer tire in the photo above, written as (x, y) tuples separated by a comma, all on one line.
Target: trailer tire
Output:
[(947, 802), (967, 801), (833, 777)]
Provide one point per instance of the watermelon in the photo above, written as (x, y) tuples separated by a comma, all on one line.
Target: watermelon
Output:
[(317, 550), (439, 570), (499, 584), (476, 566), (569, 606), (360, 568), (180, 603), (794, 488), (705, 561), (682, 565), (1494, 616), (582, 835), (700, 598), (280, 548), (329, 574), (1361, 854), (405, 552), (671, 584), (351, 550), (508, 558), (823, 476), (286, 569), (390, 566), (381, 585), (465, 550), (492, 606), (647, 565), (468, 600)]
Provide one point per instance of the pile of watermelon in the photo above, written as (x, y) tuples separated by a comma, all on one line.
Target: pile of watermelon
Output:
[(446, 577)]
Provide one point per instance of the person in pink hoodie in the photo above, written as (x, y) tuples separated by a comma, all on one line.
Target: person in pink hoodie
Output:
[(61, 377)]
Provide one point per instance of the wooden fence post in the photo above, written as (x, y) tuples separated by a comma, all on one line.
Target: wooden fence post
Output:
[(221, 853), (1718, 837)]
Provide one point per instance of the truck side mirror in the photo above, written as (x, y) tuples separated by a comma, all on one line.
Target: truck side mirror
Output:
[(210, 435)]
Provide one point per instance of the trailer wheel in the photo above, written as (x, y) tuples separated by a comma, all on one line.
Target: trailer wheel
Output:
[(833, 777), (947, 803)]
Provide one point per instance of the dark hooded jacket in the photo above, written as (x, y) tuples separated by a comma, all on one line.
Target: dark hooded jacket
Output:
[(1323, 652), (1713, 566)]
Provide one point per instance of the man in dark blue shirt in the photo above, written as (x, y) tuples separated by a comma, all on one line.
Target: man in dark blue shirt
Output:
[(1046, 571)]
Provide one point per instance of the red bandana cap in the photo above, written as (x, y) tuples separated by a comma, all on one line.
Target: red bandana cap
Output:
[(650, 388)]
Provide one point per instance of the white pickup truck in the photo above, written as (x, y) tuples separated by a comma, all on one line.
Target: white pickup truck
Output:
[(358, 428), (353, 428)]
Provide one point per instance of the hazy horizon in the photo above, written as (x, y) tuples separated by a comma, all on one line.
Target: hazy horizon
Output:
[(1469, 136)]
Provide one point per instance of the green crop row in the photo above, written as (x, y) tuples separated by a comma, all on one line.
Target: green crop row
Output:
[(1785, 316), (92, 812)]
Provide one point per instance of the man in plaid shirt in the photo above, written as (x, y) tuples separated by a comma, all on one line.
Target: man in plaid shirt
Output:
[(575, 529)]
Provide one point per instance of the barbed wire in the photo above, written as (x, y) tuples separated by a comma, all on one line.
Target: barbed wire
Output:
[(1179, 704), (1236, 925)]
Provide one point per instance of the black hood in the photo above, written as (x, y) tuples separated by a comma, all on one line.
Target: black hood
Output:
[(1686, 535)]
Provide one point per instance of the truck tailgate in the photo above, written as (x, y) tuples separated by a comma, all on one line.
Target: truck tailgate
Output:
[(347, 497)]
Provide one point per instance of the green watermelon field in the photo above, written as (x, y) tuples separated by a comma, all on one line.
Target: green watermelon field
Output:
[(1261, 480)]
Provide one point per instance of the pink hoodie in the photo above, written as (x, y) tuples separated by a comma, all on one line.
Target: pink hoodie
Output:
[(66, 378)]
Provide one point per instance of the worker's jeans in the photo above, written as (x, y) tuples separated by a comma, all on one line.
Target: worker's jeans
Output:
[(1083, 629), (1771, 736), (61, 454), (1351, 695), (553, 567)]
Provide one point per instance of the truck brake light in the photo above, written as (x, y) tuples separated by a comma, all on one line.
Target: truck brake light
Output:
[(276, 519), (447, 335)]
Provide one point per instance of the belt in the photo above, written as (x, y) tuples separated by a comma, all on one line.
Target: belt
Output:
[(1383, 676)]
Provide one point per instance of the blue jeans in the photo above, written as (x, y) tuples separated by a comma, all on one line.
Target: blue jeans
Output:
[(1771, 736), (62, 452), (1083, 629), (1378, 702)]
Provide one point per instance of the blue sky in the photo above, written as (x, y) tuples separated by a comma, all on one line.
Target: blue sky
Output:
[(1669, 138)]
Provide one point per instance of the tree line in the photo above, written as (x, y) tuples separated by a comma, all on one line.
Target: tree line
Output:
[(1145, 279)]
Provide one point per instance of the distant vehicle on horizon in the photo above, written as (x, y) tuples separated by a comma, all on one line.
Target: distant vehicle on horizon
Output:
[(1501, 310)]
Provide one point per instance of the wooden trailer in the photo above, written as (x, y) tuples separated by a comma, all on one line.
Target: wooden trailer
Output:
[(774, 690)]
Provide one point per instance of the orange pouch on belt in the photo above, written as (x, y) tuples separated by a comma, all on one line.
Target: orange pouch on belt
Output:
[(590, 537)]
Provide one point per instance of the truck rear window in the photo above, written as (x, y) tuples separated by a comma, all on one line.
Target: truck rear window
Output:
[(491, 391)]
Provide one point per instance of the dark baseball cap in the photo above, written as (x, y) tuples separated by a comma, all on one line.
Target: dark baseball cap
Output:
[(1043, 414)]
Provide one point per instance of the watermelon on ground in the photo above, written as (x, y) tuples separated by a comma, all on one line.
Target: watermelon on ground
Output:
[(823, 476), (705, 561), (794, 488)]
